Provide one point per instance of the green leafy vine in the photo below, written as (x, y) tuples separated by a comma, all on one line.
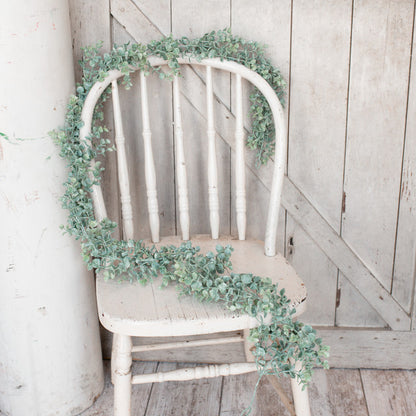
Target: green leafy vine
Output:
[(208, 277)]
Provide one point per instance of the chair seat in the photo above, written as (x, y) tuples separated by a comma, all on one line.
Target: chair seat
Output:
[(136, 310)]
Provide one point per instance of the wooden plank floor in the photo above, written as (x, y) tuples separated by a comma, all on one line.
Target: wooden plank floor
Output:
[(335, 392)]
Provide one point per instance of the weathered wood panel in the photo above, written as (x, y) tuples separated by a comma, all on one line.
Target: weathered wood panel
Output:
[(277, 27), (381, 40), (90, 24), (318, 105), (160, 111), (333, 392), (157, 12), (390, 392), (337, 392), (405, 260), (210, 15), (318, 273), (350, 348), (318, 102), (366, 348), (342, 255), (353, 309), (310, 42), (140, 392), (193, 398), (237, 395)]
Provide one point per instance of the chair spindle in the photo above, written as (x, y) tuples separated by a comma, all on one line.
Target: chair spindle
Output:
[(149, 164), (240, 180), (123, 176), (214, 217), (180, 163)]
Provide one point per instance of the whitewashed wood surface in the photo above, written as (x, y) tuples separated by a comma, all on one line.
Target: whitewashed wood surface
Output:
[(337, 392), (351, 112)]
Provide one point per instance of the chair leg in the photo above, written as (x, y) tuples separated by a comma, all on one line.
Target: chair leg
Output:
[(122, 374), (300, 397), (248, 347), (113, 358)]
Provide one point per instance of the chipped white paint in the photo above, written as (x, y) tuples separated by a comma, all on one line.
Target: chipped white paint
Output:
[(186, 344), (122, 375), (300, 396), (214, 216), (182, 182), (163, 314), (149, 164), (279, 121), (123, 173), (240, 171), (195, 373)]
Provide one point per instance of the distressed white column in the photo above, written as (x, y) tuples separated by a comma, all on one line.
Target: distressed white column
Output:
[(50, 356)]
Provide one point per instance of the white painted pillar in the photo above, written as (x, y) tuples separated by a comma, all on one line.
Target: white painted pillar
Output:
[(50, 356)]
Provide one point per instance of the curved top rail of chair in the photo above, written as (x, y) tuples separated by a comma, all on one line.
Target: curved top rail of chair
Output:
[(278, 118)]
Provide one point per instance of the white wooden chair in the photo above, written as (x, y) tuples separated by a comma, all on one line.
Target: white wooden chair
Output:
[(128, 309)]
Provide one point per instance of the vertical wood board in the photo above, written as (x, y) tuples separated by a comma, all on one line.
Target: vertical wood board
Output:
[(158, 12), (405, 260), (140, 393), (376, 118), (90, 24), (316, 270), (318, 102), (354, 310), (378, 94), (247, 21), (337, 392), (390, 392)]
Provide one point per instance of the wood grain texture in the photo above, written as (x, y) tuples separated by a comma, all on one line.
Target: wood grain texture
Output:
[(161, 313), (237, 395), (158, 12), (405, 260), (338, 393), (345, 259), (139, 398), (210, 15), (390, 392), (350, 348), (193, 398), (363, 348), (354, 310), (377, 99), (160, 112), (318, 105), (136, 23), (247, 20), (90, 24), (318, 102), (220, 354), (318, 272), (335, 392), (381, 39)]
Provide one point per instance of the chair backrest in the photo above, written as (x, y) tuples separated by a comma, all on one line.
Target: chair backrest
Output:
[(240, 72)]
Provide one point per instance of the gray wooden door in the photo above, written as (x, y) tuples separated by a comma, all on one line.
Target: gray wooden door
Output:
[(349, 218)]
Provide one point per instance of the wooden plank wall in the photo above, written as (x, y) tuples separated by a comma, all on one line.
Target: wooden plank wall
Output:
[(349, 223)]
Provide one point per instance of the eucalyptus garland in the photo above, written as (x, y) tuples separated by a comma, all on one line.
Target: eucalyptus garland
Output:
[(208, 277)]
